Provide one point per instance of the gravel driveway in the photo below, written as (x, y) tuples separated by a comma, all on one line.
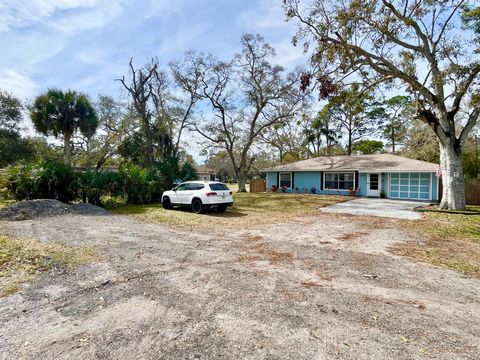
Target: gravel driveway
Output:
[(323, 287), (399, 209)]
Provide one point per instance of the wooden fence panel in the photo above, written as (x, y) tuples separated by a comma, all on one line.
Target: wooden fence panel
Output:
[(472, 191), (258, 185)]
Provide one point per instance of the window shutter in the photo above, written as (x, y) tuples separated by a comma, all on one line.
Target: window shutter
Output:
[(321, 181)]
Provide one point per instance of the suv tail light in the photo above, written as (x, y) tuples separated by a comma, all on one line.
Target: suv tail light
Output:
[(211, 194), (230, 193)]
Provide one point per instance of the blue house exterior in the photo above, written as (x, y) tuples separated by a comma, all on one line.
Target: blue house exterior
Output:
[(382, 175)]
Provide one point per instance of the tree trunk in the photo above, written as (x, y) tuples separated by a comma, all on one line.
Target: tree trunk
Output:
[(393, 140), (241, 182), (149, 141), (453, 197), (349, 148), (66, 148)]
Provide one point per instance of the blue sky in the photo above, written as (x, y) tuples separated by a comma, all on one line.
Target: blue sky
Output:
[(86, 44)]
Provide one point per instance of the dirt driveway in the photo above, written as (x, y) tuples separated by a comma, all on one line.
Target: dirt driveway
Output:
[(322, 287)]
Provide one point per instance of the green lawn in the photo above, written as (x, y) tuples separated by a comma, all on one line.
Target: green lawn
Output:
[(452, 240), (249, 209)]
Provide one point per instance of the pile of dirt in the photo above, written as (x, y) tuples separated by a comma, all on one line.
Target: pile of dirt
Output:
[(32, 209)]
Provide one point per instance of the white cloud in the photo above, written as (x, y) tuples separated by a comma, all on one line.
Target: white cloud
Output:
[(87, 18), (19, 84), (15, 14), (183, 39), (266, 16)]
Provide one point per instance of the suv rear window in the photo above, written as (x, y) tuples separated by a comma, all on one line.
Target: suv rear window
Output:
[(218, 186), (195, 186)]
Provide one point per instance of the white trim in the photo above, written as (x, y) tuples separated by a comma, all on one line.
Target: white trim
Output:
[(431, 183), (388, 185), (280, 178), (379, 184), (338, 172)]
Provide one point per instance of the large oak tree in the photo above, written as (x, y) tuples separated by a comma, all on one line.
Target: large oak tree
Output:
[(417, 46), (246, 95)]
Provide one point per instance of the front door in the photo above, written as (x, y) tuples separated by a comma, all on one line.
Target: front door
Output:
[(373, 184)]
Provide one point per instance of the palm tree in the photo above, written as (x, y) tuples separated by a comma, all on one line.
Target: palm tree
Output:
[(63, 113)]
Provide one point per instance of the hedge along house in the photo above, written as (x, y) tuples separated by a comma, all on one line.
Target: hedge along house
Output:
[(392, 176)]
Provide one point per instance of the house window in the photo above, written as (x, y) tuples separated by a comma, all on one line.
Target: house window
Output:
[(339, 181), (286, 180)]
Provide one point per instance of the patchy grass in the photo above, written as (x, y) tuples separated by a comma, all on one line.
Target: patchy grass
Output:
[(249, 209), (5, 203), (452, 240), (454, 224), (21, 259)]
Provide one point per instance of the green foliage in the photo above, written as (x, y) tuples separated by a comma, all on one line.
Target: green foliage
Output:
[(471, 18), (95, 185), (134, 184), (63, 113), (471, 157), (188, 172), (368, 147), (171, 168), (421, 143), (10, 112), (56, 112), (143, 186), (349, 110), (392, 117), (14, 148), (41, 181), (43, 152)]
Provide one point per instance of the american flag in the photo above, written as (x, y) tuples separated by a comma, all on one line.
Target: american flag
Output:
[(438, 172)]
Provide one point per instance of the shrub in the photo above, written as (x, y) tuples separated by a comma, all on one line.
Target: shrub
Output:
[(57, 181), (143, 186), (41, 181), (95, 185)]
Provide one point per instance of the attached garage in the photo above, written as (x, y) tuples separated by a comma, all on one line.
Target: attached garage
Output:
[(411, 185)]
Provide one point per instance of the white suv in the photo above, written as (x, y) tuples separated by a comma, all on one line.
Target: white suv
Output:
[(199, 196)]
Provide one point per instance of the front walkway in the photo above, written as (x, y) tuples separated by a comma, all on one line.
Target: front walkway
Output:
[(399, 209)]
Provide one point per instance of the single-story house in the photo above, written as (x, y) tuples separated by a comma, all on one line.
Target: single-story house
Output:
[(204, 173), (387, 175)]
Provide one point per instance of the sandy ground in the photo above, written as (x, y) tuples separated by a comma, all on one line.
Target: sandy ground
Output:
[(324, 287)]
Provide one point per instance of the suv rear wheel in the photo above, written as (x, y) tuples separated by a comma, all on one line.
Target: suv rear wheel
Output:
[(197, 206)]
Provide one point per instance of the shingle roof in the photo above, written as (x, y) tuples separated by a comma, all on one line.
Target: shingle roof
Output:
[(203, 169), (362, 163)]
